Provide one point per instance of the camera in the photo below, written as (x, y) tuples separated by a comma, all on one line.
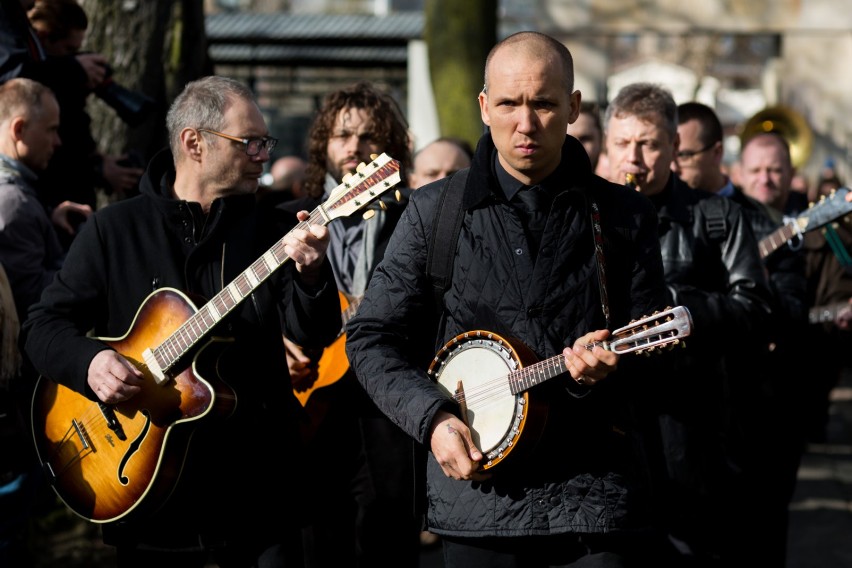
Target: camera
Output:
[(131, 106)]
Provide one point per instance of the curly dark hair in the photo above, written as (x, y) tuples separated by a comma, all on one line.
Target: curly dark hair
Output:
[(389, 126)]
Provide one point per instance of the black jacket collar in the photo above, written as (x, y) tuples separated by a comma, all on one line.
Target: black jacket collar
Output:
[(574, 171)]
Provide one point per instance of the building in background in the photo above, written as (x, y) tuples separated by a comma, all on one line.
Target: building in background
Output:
[(738, 56)]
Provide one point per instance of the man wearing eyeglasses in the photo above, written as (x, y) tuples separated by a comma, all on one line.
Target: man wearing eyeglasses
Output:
[(776, 449), (195, 228), (698, 160), (712, 266)]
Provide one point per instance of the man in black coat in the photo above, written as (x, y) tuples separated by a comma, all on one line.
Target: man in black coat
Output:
[(195, 228), (712, 266), (772, 440), (531, 272)]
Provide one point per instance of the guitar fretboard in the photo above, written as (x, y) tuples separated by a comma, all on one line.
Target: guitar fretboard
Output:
[(822, 314), (777, 239), (179, 343), (536, 373)]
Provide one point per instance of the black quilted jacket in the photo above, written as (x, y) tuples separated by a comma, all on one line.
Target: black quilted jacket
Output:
[(583, 476)]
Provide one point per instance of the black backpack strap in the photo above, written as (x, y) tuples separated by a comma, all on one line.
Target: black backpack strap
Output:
[(445, 233), (715, 220)]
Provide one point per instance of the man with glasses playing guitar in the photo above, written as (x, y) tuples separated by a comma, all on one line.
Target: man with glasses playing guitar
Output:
[(113, 417)]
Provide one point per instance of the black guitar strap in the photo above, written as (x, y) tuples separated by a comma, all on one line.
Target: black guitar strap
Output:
[(600, 260), (445, 234)]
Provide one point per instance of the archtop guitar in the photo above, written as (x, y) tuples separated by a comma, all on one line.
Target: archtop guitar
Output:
[(106, 461)]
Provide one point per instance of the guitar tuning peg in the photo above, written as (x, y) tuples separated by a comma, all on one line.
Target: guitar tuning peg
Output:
[(360, 167), (398, 195), (368, 214), (346, 178), (382, 205), (373, 156)]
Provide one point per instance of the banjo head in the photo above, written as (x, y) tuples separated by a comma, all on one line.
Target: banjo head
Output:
[(474, 370)]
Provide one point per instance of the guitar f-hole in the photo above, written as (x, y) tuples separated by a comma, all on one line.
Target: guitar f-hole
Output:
[(133, 448)]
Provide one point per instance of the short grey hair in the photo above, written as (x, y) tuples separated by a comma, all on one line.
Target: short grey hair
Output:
[(203, 104), (647, 102), (22, 97)]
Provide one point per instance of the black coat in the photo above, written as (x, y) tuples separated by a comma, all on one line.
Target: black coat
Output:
[(152, 241), (713, 267), (582, 477)]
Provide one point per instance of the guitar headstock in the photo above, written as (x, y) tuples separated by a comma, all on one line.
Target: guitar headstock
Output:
[(363, 187), (828, 209), (666, 328)]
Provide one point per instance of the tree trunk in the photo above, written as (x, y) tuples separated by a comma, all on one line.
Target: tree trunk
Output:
[(459, 36), (154, 48)]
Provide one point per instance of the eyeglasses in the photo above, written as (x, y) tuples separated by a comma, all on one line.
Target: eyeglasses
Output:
[(689, 154), (253, 145)]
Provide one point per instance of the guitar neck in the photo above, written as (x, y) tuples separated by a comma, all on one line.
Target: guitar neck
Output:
[(777, 239), (537, 373), (355, 193), (197, 326), (827, 313), (817, 215), (668, 327), (350, 310)]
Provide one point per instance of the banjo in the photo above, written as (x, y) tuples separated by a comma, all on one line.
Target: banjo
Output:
[(490, 376)]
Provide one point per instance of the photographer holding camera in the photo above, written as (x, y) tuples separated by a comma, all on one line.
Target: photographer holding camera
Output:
[(78, 168)]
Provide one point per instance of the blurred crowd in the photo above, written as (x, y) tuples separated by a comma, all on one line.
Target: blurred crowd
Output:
[(757, 250)]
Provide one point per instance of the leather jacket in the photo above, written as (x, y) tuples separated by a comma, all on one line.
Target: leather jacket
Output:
[(713, 267)]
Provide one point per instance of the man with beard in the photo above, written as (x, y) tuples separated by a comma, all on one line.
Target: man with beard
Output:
[(362, 464)]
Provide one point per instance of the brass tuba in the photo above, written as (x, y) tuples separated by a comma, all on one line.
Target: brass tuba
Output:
[(788, 124)]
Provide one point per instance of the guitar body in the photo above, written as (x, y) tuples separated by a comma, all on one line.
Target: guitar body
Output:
[(104, 473), (501, 423), (107, 461), (332, 365)]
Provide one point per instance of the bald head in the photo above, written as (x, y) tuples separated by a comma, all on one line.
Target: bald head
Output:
[(286, 171), (766, 170), (437, 160), (537, 46)]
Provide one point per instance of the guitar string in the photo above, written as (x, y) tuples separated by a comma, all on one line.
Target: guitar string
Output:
[(179, 344), (499, 385), (553, 367), (92, 423)]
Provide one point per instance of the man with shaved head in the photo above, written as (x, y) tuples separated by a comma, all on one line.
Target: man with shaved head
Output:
[(437, 160), (524, 264)]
